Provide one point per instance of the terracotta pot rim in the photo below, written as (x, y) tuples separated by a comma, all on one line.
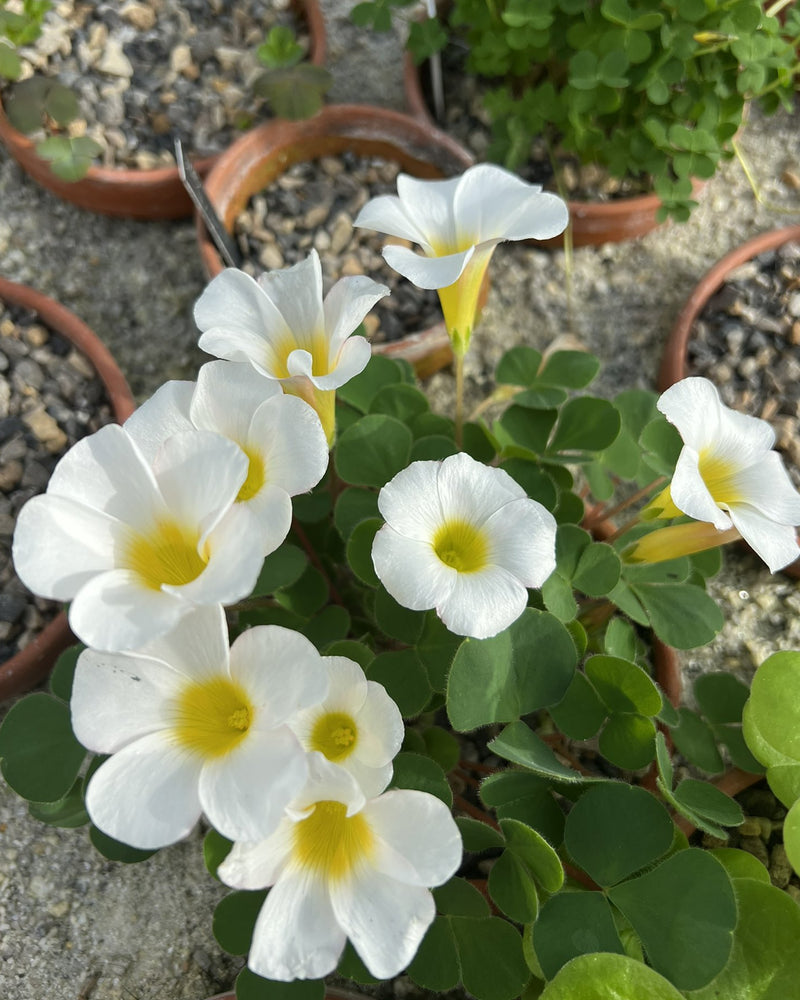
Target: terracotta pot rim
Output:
[(156, 193), (235, 176), (31, 664)]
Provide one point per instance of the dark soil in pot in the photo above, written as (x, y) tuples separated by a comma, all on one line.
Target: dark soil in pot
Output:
[(313, 205), (146, 71), (50, 397), (746, 340)]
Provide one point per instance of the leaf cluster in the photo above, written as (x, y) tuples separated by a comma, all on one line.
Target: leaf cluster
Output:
[(294, 89), (643, 88)]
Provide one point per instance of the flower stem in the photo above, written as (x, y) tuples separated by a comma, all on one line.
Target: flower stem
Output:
[(597, 516), (751, 180), (315, 561), (459, 417)]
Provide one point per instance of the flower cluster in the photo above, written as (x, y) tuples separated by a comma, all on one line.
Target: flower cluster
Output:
[(444, 576)]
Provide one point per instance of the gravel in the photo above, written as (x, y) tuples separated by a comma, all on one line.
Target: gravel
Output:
[(73, 925)]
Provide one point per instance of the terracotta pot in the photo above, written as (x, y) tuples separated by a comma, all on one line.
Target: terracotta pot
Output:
[(593, 222), (675, 360), (130, 193), (32, 664), (255, 160)]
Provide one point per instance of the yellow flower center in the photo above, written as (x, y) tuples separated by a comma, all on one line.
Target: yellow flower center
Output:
[(317, 346), (334, 735), (212, 717), (330, 842), (167, 555), (717, 473), (462, 546), (256, 475)]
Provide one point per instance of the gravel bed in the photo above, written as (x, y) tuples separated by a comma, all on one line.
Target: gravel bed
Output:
[(50, 397), (747, 341), (312, 205), (146, 71)]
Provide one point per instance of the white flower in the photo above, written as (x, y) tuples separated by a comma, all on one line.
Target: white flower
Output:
[(281, 436), (281, 325), (463, 538), (727, 473), (458, 223), (357, 726), (341, 867), (193, 726), (135, 547)]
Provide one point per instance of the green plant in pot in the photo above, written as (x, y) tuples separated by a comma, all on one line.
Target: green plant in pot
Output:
[(403, 663), (649, 91)]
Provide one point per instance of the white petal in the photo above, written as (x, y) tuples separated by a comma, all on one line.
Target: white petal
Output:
[(164, 414), (114, 611), (484, 603), (346, 305), (296, 293), (471, 491), (258, 865), (429, 206), (380, 728), (146, 795), (271, 513), (384, 919), (410, 501), (107, 471), (352, 359), (387, 214), (767, 487), (117, 698), (227, 396), (234, 316), (199, 474), (197, 647), (327, 782), (290, 437), (411, 571), (234, 562), (371, 780), (421, 829), (244, 794), (427, 272), (492, 203), (691, 495), (60, 545), (348, 686), (280, 669), (775, 543), (522, 539), (296, 935)]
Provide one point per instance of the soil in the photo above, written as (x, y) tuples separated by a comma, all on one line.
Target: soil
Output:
[(148, 71), (313, 205), (50, 397)]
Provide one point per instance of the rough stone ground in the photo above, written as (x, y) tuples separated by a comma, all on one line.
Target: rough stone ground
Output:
[(75, 927)]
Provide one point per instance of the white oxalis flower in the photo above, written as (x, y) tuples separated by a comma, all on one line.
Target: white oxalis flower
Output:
[(463, 538), (727, 473), (195, 727), (281, 436), (135, 547), (457, 223), (344, 867), (357, 726), (281, 325)]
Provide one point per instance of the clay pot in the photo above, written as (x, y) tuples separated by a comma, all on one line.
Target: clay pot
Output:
[(32, 664), (130, 193), (593, 222), (675, 360), (261, 155)]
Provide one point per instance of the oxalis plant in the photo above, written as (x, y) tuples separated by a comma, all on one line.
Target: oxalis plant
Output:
[(380, 652), (650, 90)]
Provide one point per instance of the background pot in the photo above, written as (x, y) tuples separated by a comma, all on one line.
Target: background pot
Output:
[(261, 155), (129, 193), (593, 222), (675, 360), (33, 663)]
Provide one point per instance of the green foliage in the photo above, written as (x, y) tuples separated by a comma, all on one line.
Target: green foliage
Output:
[(640, 88), (292, 88)]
